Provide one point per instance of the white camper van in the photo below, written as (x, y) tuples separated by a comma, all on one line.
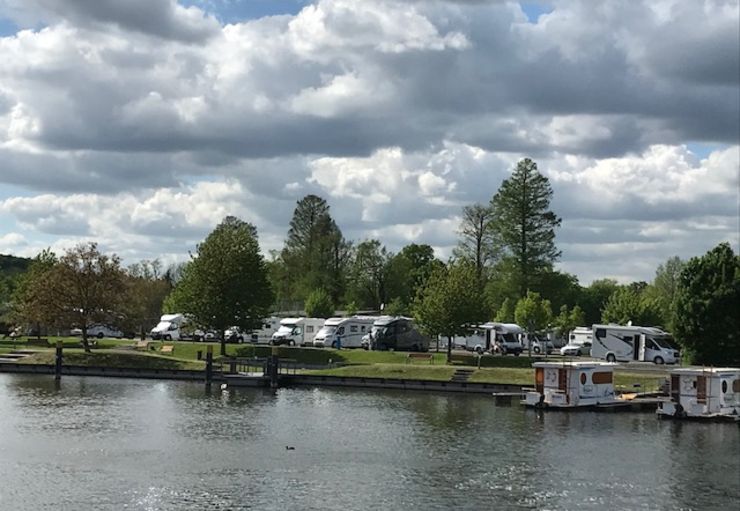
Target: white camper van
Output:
[(500, 337), (297, 331), (343, 332), (168, 328), (580, 335), (625, 343)]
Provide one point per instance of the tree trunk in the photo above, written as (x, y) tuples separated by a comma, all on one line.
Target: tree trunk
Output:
[(449, 349), (85, 344), (223, 342)]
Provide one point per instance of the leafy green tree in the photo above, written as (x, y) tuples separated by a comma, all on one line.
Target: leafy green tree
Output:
[(665, 287), (506, 313), (29, 301), (319, 304), (82, 287), (146, 289), (558, 287), (368, 275), (476, 243), (315, 253), (449, 303), (225, 284), (351, 309), (594, 297), (407, 272), (568, 320), (631, 303), (396, 307), (524, 224), (707, 302), (533, 314)]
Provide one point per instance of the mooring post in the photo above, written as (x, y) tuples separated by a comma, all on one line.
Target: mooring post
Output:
[(274, 361), (209, 365), (58, 361)]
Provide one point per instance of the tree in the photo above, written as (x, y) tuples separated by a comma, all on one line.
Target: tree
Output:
[(315, 253), (146, 289), (319, 304), (665, 287), (533, 314), (524, 223), (448, 305), (476, 243), (568, 320), (367, 276), (506, 313), (631, 303), (707, 323), (29, 301), (225, 284), (407, 272), (594, 297), (82, 287)]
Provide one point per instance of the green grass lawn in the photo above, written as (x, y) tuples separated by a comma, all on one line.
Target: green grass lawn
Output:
[(400, 371), (115, 358)]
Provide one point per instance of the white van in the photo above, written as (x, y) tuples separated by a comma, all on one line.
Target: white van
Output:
[(580, 335), (343, 332), (168, 328), (642, 343), (297, 331)]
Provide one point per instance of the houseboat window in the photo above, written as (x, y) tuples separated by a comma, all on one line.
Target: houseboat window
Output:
[(583, 378), (736, 385), (601, 378), (724, 386), (600, 332)]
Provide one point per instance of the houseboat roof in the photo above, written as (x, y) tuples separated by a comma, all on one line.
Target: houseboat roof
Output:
[(705, 370), (575, 365)]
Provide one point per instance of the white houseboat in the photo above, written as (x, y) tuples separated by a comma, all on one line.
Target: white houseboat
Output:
[(703, 393), (572, 384)]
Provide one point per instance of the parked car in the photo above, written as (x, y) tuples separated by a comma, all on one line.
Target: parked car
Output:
[(576, 350), (99, 331)]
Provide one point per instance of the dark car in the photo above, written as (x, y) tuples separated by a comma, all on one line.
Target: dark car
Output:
[(397, 333)]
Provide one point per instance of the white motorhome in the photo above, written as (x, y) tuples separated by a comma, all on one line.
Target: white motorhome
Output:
[(500, 337), (297, 331), (703, 393), (262, 335), (168, 328), (571, 384), (343, 332), (625, 343), (580, 335)]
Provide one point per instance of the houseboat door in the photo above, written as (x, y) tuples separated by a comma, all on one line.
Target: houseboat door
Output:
[(701, 389), (539, 379), (675, 388)]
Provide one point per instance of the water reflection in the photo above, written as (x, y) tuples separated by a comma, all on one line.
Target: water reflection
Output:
[(141, 444)]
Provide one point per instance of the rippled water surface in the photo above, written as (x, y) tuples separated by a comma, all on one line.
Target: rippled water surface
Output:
[(111, 444)]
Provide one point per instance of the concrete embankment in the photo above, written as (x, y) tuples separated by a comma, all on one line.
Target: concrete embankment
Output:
[(119, 372)]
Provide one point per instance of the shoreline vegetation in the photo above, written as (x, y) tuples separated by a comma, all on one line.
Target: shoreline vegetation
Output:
[(116, 353)]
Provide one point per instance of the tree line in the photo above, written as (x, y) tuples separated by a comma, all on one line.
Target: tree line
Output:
[(501, 269)]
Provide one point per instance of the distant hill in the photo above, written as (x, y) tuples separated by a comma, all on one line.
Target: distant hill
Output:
[(12, 265)]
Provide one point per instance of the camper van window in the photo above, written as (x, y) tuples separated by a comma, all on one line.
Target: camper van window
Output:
[(650, 345), (572, 337), (309, 329), (600, 333), (352, 328), (362, 329), (340, 331)]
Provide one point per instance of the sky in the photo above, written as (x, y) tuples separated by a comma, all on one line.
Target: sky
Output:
[(140, 124)]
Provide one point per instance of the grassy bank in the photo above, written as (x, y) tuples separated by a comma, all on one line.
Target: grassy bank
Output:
[(113, 358)]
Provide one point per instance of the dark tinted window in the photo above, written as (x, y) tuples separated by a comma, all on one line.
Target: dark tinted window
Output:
[(600, 333)]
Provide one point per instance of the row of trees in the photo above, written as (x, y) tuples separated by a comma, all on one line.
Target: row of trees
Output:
[(502, 268)]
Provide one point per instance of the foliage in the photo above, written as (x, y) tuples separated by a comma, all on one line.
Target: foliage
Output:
[(665, 287), (406, 273), (351, 309), (367, 275), (631, 304), (568, 320), (315, 253), (476, 243), (707, 302), (558, 287), (524, 223), (225, 284), (506, 313), (396, 307), (146, 289), (319, 304), (594, 297), (449, 302), (28, 303), (533, 313)]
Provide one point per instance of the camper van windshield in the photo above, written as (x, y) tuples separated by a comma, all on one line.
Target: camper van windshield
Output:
[(162, 326), (665, 342), (327, 330), (508, 337), (378, 330), (285, 329)]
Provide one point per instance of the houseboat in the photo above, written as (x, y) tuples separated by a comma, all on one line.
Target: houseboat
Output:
[(703, 393), (572, 385)]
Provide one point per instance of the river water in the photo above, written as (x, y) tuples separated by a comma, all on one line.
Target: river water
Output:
[(112, 444)]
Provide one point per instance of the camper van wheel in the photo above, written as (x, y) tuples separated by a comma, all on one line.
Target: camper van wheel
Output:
[(166, 338), (100, 335), (659, 361), (479, 350), (610, 358), (291, 342), (536, 349)]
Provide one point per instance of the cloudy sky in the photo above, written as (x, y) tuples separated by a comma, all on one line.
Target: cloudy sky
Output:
[(141, 123)]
